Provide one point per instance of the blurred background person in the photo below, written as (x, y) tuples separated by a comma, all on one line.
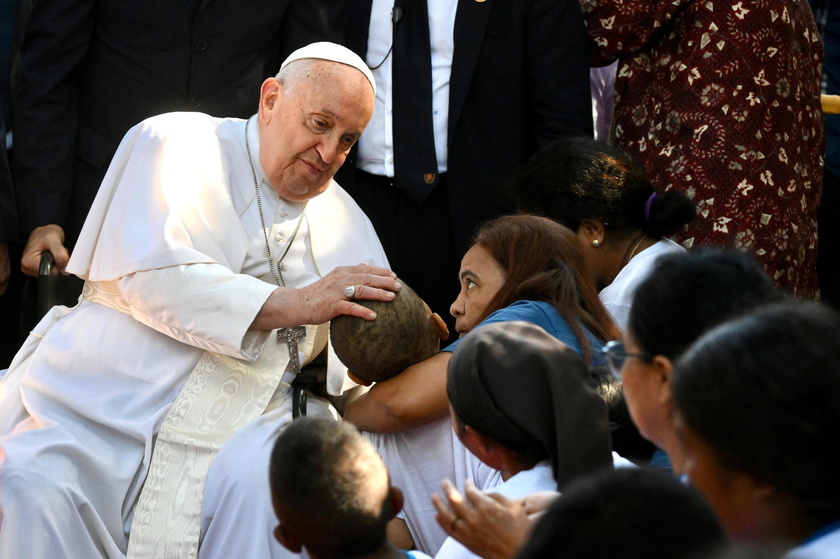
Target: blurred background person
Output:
[(720, 99), (757, 407)]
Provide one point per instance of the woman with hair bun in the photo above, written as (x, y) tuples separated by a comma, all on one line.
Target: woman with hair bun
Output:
[(621, 221)]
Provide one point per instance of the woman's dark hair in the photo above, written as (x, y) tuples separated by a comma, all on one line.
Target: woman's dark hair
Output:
[(764, 393), (577, 178), (542, 261), (688, 293)]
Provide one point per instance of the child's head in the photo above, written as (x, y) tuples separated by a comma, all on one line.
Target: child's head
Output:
[(330, 490), (405, 332), (630, 513)]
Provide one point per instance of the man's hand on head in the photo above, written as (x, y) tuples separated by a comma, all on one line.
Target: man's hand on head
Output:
[(328, 297), (47, 237)]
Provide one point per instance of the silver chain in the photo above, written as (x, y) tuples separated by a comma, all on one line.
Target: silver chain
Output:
[(276, 271)]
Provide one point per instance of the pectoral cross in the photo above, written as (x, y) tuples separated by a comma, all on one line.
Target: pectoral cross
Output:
[(291, 337)]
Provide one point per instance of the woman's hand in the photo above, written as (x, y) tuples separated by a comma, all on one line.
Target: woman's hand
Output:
[(489, 525)]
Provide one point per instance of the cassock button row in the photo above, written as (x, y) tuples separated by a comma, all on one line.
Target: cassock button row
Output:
[(195, 102), (278, 238), (200, 45)]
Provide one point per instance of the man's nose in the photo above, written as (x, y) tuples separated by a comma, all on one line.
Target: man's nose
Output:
[(328, 149)]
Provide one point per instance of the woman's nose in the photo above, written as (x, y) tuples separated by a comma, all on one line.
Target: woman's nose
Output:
[(456, 308)]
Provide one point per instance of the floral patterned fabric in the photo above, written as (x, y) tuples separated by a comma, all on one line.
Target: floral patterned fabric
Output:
[(720, 99)]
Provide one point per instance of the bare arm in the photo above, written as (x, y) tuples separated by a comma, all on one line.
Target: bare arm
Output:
[(413, 398)]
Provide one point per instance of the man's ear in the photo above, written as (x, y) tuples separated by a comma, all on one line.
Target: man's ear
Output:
[(270, 93), (440, 326), (287, 539), (357, 379)]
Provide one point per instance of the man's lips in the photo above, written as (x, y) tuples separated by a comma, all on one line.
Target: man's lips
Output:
[(313, 168)]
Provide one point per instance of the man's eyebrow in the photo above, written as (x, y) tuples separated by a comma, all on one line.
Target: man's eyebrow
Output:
[(332, 115), (329, 113)]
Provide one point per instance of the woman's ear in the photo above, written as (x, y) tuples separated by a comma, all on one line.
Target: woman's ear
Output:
[(663, 368), (485, 448), (592, 232)]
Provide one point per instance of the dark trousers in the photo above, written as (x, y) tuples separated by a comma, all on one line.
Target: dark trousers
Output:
[(11, 331), (417, 238)]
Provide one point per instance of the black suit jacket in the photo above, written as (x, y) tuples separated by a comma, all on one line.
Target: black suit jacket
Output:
[(91, 69), (8, 211), (519, 79)]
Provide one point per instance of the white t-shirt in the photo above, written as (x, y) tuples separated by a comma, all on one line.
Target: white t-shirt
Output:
[(417, 461), (618, 296)]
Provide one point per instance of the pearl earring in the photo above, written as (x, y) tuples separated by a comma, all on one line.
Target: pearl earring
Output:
[(596, 243)]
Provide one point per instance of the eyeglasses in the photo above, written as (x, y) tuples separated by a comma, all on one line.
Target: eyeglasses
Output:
[(615, 355)]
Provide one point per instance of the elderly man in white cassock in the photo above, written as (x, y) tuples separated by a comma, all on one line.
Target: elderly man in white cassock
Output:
[(207, 236)]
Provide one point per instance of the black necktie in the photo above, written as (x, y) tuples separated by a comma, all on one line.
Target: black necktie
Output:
[(415, 163)]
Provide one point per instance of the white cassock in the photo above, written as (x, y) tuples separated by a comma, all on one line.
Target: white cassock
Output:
[(171, 252)]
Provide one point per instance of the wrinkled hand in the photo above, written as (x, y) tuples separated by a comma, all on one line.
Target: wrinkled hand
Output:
[(47, 237), (5, 268), (489, 525), (325, 299)]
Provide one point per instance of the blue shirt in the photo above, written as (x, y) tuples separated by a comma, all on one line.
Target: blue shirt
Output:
[(546, 317)]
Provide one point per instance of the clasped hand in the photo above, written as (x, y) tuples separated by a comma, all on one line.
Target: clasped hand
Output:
[(488, 524)]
